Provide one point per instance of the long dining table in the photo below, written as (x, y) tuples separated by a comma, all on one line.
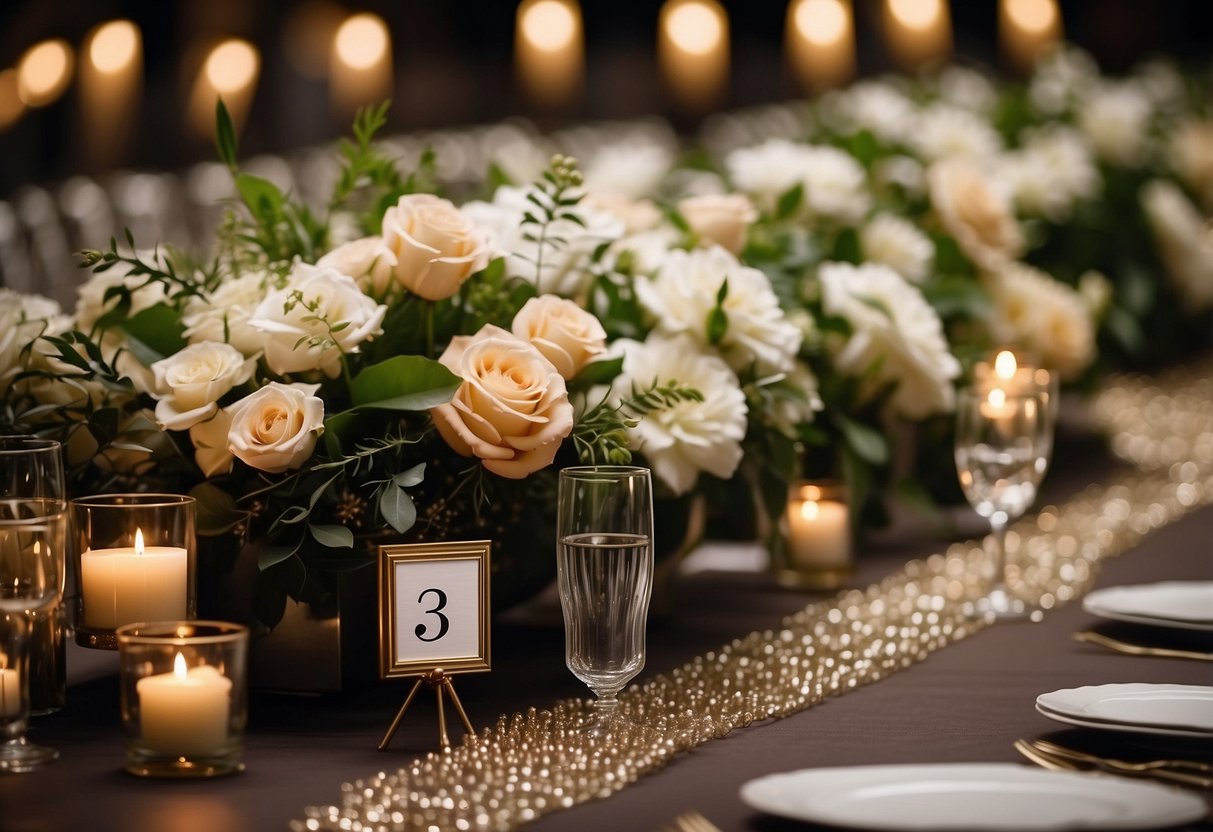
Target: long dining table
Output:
[(967, 702)]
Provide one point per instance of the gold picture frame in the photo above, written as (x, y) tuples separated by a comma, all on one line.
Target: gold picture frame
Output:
[(434, 604)]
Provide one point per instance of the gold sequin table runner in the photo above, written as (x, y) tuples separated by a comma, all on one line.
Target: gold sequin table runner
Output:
[(533, 763)]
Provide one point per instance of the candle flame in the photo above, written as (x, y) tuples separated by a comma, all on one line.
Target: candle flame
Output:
[(695, 26), (997, 397), (179, 668), (1034, 16), (1005, 365), (138, 541), (823, 22), (549, 25), (809, 510), (362, 41)]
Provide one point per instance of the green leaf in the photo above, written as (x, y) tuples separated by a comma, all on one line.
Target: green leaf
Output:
[(216, 510), (159, 328), (596, 373), (334, 537), (397, 508), (225, 135), (411, 477), (261, 196), (789, 202), (846, 247), (291, 515), (271, 556), (404, 382), (867, 443)]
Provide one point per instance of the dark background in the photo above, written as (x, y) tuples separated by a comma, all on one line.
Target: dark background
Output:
[(453, 65)]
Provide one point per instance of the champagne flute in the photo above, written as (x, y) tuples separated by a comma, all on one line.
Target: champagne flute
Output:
[(604, 558), (1003, 441), (33, 539)]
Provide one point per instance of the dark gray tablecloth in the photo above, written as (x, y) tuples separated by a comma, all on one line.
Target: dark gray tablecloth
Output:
[(968, 702)]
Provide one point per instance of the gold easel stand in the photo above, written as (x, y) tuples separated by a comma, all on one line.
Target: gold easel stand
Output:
[(440, 682)]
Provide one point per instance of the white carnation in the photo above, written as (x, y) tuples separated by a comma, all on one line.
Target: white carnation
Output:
[(1116, 118), (1065, 76), (895, 330), (834, 183), (222, 315), (566, 267), (683, 294), (1184, 240), (1045, 316), (967, 88), (876, 106), (897, 242), (631, 169), (691, 436), (22, 319), (1053, 171), (943, 131)]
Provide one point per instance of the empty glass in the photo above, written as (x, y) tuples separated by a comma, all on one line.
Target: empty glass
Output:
[(1003, 441), (604, 525), (33, 538)]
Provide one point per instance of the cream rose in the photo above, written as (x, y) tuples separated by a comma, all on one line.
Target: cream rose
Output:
[(976, 214), (211, 450), (368, 260), (276, 428), (723, 219), (562, 331), (512, 410), (436, 247), (189, 384), (303, 321)]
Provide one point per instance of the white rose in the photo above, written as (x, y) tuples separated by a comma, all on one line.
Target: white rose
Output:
[(967, 88), (895, 330), (1045, 316), (276, 428), (91, 304), (562, 331), (646, 251), (897, 242), (512, 410), (943, 131), (1116, 120), (690, 437), (22, 319), (1051, 172), (223, 314), (683, 293), (303, 321), (637, 215), (876, 106), (834, 183), (975, 213), (436, 246), (210, 442), (632, 169), (1065, 76), (189, 384), (1184, 241), (368, 260), (724, 220)]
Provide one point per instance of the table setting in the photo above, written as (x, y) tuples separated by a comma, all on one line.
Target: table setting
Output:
[(434, 447)]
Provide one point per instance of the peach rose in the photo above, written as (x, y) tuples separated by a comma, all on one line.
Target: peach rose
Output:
[(566, 334), (368, 260), (974, 213), (276, 428), (722, 219), (436, 247), (512, 410)]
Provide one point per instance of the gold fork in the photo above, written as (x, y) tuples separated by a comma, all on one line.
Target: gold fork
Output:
[(692, 821), (1119, 646), (1165, 766), (1075, 761)]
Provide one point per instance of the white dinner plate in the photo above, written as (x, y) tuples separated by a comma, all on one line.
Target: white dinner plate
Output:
[(1187, 605), (984, 797), (1176, 710)]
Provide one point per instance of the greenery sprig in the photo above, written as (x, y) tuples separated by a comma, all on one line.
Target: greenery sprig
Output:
[(601, 433), (555, 198)]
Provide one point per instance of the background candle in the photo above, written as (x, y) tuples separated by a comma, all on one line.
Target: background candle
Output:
[(820, 40), (123, 585), (819, 532), (185, 713), (693, 50), (10, 692), (549, 52), (1026, 30), (360, 71), (919, 32)]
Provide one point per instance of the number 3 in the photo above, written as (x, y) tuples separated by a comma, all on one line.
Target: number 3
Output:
[(444, 623)]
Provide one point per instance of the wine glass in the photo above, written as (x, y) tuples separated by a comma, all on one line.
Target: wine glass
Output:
[(604, 559), (1003, 440), (33, 539)]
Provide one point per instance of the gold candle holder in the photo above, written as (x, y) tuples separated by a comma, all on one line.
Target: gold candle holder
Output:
[(184, 697), (817, 536), (135, 561)]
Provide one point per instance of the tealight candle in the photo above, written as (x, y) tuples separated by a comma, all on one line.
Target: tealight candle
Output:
[(818, 535), (125, 584), (186, 712)]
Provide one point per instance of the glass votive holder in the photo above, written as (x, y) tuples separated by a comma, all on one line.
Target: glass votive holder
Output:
[(184, 697), (134, 556), (816, 536)]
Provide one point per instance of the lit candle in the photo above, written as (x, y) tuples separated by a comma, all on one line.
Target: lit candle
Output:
[(126, 584), (44, 73), (549, 51), (819, 532), (10, 689), (186, 712), (360, 69), (229, 72), (1026, 29), (918, 32), (693, 50), (820, 40), (110, 79)]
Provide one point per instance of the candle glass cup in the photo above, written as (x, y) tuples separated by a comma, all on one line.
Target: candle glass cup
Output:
[(134, 556), (816, 535), (184, 697)]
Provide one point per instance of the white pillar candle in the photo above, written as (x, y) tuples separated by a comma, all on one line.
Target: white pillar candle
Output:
[(10, 692), (820, 40), (185, 713), (549, 51), (693, 51), (126, 584), (1026, 30), (819, 533), (918, 32)]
